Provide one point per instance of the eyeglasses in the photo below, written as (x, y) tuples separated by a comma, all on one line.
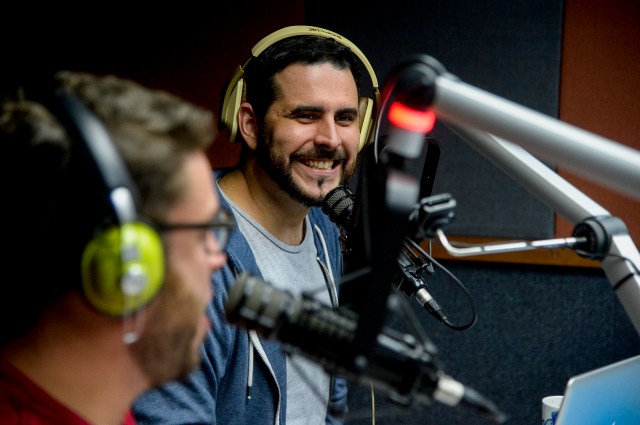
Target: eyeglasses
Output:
[(221, 226)]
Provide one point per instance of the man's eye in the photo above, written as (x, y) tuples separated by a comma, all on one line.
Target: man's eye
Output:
[(347, 118)]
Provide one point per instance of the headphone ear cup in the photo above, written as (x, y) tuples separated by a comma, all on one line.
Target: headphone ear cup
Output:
[(366, 121), (123, 268), (231, 104)]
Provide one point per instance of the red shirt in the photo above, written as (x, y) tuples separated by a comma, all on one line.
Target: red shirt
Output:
[(23, 402)]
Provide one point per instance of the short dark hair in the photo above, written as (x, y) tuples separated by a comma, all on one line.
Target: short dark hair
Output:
[(303, 49)]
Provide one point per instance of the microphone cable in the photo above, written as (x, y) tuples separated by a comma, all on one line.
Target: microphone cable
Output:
[(412, 248)]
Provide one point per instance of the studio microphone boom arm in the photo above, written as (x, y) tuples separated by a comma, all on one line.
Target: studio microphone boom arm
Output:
[(501, 130)]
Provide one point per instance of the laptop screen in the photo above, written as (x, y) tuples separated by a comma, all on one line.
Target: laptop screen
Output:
[(609, 395)]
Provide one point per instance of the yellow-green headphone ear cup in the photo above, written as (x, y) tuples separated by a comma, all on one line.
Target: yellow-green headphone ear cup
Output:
[(123, 268)]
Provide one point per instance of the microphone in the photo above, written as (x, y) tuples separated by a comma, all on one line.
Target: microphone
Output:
[(414, 287), (407, 369), (338, 205)]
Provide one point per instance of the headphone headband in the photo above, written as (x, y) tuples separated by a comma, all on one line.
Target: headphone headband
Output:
[(96, 142), (296, 30)]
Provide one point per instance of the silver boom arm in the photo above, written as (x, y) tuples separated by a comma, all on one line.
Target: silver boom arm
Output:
[(501, 130)]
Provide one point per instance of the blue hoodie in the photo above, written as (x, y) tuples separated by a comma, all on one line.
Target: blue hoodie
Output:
[(243, 377)]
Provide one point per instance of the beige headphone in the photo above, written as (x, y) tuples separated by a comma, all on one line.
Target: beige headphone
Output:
[(234, 91)]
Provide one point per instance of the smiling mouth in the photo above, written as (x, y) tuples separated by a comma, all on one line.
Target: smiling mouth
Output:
[(320, 164)]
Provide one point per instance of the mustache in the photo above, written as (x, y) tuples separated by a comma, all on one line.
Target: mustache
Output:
[(331, 155)]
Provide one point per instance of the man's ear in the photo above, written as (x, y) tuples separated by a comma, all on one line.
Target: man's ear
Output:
[(247, 125)]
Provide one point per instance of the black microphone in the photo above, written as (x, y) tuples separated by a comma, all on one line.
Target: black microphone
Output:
[(412, 285), (338, 205), (399, 363)]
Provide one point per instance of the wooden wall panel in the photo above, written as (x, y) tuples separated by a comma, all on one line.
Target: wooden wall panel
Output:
[(600, 90)]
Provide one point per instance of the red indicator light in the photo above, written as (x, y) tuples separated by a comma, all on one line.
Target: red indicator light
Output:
[(411, 119)]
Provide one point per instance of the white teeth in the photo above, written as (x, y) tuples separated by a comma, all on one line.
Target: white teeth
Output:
[(322, 165)]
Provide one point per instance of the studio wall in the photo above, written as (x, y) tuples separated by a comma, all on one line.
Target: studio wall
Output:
[(537, 326), (509, 48)]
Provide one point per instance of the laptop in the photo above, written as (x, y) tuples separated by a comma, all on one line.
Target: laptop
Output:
[(609, 395)]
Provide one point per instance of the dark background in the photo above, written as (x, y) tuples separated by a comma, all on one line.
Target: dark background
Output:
[(538, 325), (486, 44)]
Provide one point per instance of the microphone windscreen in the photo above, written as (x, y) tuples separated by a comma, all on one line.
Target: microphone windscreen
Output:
[(338, 206)]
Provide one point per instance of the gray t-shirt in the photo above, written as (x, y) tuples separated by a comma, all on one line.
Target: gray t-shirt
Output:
[(293, 268)]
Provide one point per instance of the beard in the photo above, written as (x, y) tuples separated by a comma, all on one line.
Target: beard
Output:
[(278, 168), (168, 348)]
